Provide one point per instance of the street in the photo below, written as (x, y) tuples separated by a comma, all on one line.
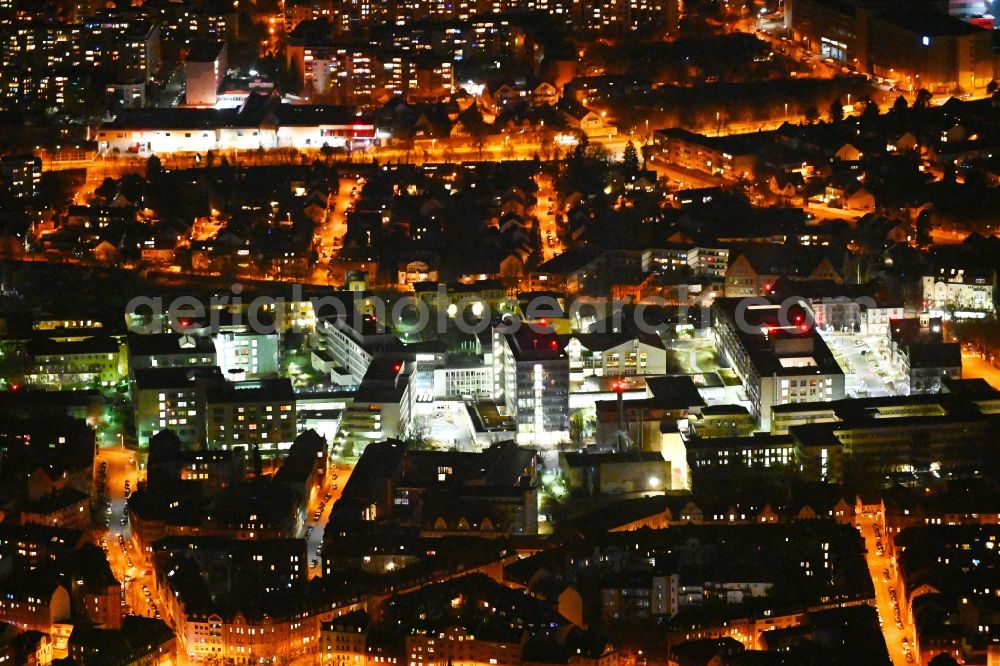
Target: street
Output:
[(140, 594), (547, 211), (122, 468), (899, 636), (824, 212), (337, 480), (975, 366), (948, 236), (329, 235)]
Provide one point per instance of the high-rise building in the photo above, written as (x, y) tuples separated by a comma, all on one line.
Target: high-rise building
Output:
[(204, 70), (20, 176), (535, 380), (258, 414)]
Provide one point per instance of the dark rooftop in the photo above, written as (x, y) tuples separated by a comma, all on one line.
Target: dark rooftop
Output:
[(203, 51)]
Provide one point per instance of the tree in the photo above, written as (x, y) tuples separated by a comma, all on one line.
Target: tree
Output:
[(836, 111), (55, 189), (811, 114), (348, 449), (154, 168), (580, 150), (900, 105), (630, 159), (923, 99), (107, 189), (871, 111), (546, 143), (131, 187), (924, 228), (14, 364), (290, 77), (599, 152), (948, 173)]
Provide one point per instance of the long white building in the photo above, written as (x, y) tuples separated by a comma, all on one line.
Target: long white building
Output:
[(261, 122)]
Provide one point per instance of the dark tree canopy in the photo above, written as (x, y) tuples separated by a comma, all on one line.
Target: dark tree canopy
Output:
[(630, 160), (836, 111)]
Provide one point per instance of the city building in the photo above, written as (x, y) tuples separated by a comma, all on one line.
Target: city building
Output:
[(956, 396), (342, 640), (169, 350), (169, 462), (196, 495), (535, 374), (959, 292), (754, 269), (20, 176), (777, 355), (439, 493), (32, 546), (204, 71), (952, 556), (733, 157), (615, 473), (245, 353), (139, 641), (913, 46), (639, 594), (611, 355), (381, 405), (259, 414), (920, 356), (37, 602), (348, 344), (128, 46), (760, 450), (65, 507), (721, 421), (247, 127), (167, 398), (85, 361), (868, 446), (46, 455), (481, 298), (710, 261)]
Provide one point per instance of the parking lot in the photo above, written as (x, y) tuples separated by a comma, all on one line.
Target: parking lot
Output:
[(867, 372)]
